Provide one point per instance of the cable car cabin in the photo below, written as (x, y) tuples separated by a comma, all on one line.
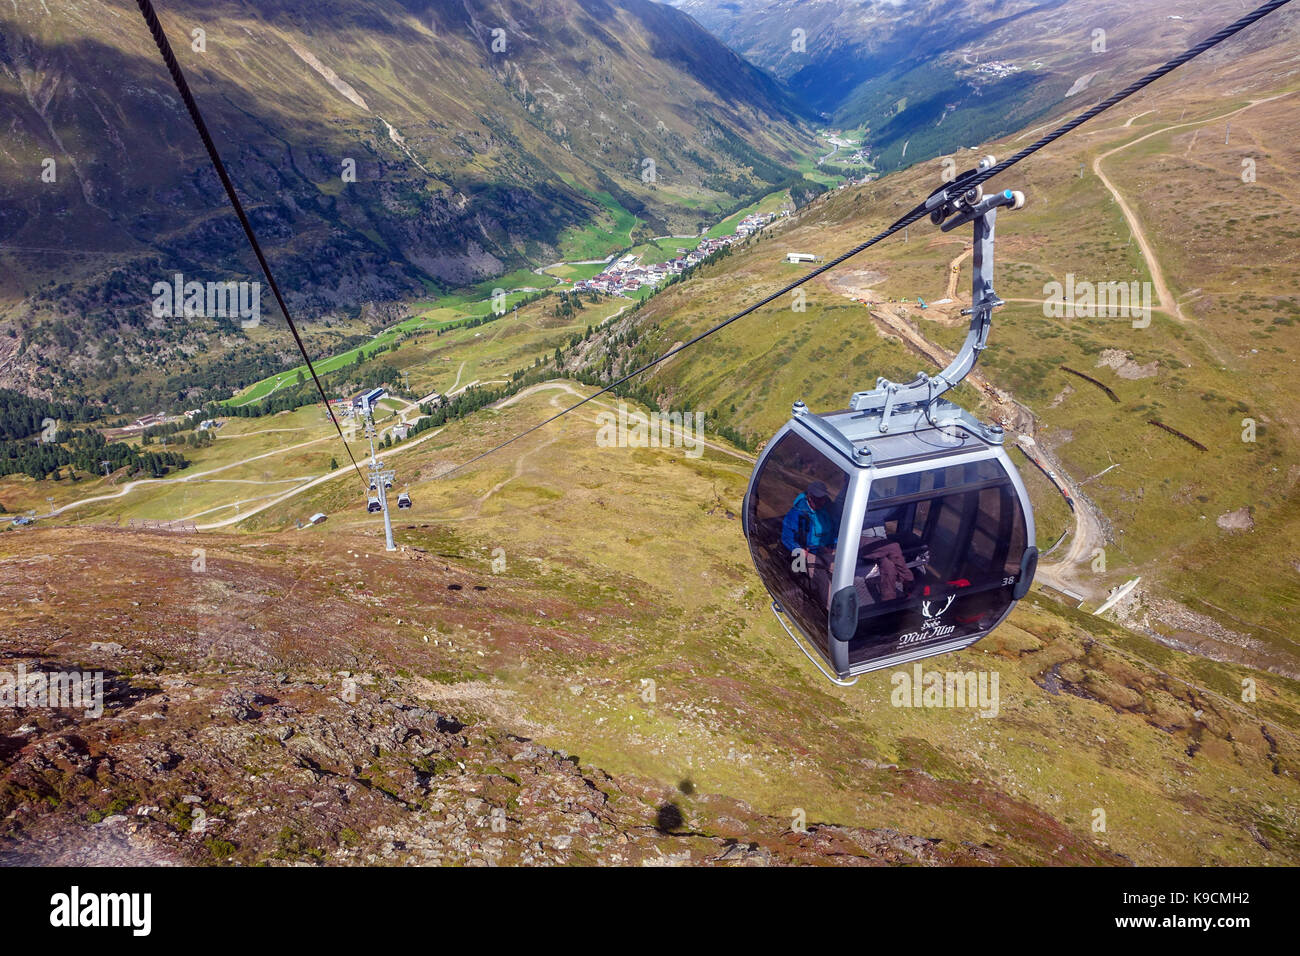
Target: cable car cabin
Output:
[(373, 505), (403, 500), (884, 545)]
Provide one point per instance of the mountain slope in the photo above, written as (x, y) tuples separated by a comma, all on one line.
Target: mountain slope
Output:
[(573, 599), (932, 76), (474, 153), (234, 715)]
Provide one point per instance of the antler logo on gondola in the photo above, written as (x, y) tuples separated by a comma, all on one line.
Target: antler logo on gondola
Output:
[(925, 607)]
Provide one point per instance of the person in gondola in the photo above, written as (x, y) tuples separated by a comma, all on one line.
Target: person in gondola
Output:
[(811, 528), (876, 550)]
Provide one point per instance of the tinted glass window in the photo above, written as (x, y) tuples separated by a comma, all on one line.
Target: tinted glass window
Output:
[(783, 517), (960, 531)]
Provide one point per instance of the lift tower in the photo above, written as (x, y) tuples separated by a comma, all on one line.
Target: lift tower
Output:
[(379, 477)]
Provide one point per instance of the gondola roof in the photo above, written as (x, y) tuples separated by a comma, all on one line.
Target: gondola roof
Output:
[(915, 435)]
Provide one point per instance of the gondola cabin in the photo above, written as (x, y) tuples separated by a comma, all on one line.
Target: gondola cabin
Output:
[(897, 529), (884, 546)]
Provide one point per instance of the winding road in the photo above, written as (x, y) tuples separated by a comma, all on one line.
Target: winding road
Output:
[(1168, 302)]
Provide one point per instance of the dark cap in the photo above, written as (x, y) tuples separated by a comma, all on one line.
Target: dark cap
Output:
[(818, 489)]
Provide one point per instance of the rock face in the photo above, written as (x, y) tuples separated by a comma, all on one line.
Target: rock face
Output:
[(1239, 520)]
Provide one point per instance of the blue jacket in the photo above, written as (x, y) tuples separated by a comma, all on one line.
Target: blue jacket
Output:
[(805, 528)]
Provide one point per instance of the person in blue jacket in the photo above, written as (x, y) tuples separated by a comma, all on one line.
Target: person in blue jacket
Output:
[(811, 524)]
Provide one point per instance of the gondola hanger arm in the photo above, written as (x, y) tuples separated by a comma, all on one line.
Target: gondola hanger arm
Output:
[(950, 208)]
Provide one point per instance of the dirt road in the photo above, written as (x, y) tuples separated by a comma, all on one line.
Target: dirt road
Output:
[(1168, 301), (1072, 571)]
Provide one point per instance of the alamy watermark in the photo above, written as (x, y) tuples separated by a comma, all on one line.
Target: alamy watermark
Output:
[(178, 298), (629, 428), (74, 908), (977, 690), (79, 690), (1089, 300)]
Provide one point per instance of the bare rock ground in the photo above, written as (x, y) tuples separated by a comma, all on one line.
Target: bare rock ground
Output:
[(1124, 365), (1239, 520)]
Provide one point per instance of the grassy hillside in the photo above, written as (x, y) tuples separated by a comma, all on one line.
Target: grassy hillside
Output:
[(931, 76), (598, 601)]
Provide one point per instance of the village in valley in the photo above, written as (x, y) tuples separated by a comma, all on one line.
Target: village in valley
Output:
[(628, 274)]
